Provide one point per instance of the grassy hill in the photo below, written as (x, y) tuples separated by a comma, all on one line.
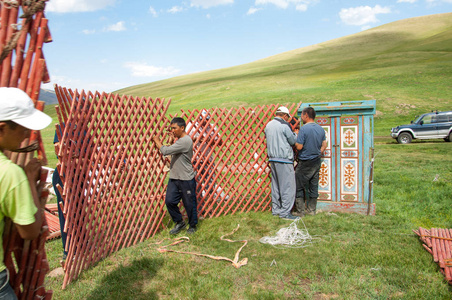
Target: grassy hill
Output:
[(405, 65)]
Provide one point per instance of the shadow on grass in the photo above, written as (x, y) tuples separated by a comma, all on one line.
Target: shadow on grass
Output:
[(129, 282)]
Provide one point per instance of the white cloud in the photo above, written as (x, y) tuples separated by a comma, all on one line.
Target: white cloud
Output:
[(61, 80), (300, 5), (152, 12), (175, 9), (253, 10), (210, 3), (435, 1), (116, 27), (362, 15), (65, 6), (279, 3), (407, 1), (89, 31), (143, 70), (87, 84)]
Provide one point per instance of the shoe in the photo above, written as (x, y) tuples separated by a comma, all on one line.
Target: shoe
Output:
[(178, 227), (191, 229), (298, 214), (290, 217), (310, 212)]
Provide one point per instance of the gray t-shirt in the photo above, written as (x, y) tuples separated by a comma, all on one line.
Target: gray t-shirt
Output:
[(182, 152)]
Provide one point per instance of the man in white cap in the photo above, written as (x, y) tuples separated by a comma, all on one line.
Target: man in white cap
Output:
[(19, 195), (280, 139)]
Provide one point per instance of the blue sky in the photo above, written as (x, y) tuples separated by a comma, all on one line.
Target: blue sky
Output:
[(106, 45)]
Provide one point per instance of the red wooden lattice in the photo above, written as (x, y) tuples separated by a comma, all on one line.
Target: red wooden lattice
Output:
[(114, 176), (23, 31), (230, 158)]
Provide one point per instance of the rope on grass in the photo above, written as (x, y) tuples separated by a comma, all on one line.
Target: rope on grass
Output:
[(236, 263), (290, 237)]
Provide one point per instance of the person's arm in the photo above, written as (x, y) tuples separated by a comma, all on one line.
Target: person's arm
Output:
[(300, 141), (290, 135), (180, 146), (323, 147), (33, 172)]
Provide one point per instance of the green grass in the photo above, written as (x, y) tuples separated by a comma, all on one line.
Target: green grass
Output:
[(357, 257), (406, 66)]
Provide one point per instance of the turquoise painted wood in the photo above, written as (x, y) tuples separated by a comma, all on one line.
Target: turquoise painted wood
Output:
[(345, 181)]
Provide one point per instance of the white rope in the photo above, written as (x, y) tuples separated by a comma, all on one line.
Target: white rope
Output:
[(290, 237)]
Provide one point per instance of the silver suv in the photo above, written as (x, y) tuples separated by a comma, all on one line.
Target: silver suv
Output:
[(434, 125)]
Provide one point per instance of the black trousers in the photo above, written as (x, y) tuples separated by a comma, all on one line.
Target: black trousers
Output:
[(307, 181), (185, 190)]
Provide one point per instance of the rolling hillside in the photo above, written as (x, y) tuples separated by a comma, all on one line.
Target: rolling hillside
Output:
[(405, 65)]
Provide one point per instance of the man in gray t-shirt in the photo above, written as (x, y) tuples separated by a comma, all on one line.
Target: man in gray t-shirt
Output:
[(181, 184)]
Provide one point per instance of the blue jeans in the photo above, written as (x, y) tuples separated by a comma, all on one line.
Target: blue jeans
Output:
[(185, 190), (6, 291)]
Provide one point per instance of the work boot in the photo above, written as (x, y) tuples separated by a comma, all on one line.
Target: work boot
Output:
[(298, 214), (191, 229), (299, 206), (178, 227), (311, 207)]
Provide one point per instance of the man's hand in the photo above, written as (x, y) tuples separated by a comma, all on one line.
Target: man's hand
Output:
[(33, 170), (157, 141)]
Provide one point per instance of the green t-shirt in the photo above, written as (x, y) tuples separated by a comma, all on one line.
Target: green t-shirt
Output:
[(16, 201)]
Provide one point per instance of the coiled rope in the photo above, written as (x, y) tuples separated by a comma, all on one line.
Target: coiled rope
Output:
[(290, 237)]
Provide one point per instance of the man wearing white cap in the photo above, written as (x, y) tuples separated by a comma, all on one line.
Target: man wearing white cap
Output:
[(19, 196), (280, 139)]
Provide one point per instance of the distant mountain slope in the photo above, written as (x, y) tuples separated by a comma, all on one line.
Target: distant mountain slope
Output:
[(48, 96), (408, 61)]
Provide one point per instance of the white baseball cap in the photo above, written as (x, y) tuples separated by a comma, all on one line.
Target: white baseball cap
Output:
[(16, 106), (283, 109)]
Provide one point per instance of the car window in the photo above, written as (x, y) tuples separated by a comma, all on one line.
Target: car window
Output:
[(443, 119), (429, 119)]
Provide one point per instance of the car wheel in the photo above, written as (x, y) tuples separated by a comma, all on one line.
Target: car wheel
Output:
[(449, 137), (404, 138)]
